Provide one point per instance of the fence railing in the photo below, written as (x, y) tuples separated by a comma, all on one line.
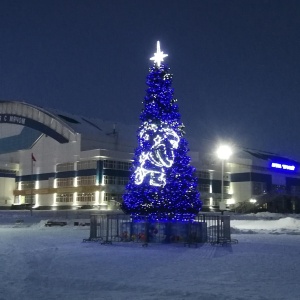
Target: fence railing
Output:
[(218, 227), (206, 228)]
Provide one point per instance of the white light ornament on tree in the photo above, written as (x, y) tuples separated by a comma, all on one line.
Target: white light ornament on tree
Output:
[(159, 55), (160, 156)]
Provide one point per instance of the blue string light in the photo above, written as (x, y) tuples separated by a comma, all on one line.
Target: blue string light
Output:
[(162, 185)]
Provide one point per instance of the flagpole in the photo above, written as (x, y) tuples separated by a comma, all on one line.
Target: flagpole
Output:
[(31, 194)]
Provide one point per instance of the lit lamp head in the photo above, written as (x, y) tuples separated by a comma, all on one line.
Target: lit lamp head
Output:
[(224, 152)]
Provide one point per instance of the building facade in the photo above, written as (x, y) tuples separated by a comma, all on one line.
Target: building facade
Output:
[(253, 181), (54, 160)]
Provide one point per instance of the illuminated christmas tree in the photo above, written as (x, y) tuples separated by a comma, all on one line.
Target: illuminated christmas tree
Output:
[(162, 185)]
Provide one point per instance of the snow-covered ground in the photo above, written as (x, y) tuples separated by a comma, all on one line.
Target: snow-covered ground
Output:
[(38, 262)]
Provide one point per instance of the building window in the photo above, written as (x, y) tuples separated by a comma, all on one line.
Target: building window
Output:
[(85, 197), (115, 180), (109, 179), (279, 189), (226, 189), (86, 180), (10, 172), (113, 197), (206, 202), (29, 199), (64, 198), (65, 167), (109, 164), (63, 182), (204, 188), (122, 180), (117, 165), (215, 202), (123, 165), (89, 164), (259, 188), (202, 174), (27, 185)]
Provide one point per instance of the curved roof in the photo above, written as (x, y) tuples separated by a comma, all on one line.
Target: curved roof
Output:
[(27, 115), (98, 133), (22, 124)]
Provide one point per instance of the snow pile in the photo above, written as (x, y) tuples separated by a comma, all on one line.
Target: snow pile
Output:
[(285, 225), (265, 223)]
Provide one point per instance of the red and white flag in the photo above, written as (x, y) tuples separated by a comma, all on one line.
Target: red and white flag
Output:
[(32, 157)]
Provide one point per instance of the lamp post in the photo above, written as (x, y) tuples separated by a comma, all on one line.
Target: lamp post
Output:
[(223, 153)]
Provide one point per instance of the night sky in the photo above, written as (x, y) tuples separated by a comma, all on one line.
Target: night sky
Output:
[(236, 64)]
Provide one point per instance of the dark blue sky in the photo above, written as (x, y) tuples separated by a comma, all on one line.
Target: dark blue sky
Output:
[(236, 64)]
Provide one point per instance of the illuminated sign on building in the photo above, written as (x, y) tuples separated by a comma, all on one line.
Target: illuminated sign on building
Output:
[(283, 166)]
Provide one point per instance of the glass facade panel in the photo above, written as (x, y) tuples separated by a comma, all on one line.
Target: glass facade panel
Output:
[(66, 198), (85, 197), (117, 165), (113, 197), (89, 164), (62, 182), (86, 180)]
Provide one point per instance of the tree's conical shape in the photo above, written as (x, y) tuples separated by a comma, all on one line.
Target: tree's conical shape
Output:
[(162, 184)]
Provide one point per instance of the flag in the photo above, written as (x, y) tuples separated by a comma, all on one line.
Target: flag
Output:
[(32, 157)]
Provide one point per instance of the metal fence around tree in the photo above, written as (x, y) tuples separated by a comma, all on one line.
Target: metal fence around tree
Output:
[(206, 228)]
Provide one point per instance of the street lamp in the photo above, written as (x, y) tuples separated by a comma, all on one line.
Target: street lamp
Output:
[(223, 153)]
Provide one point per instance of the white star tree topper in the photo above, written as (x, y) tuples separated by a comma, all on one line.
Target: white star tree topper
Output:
[(159, 55)]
